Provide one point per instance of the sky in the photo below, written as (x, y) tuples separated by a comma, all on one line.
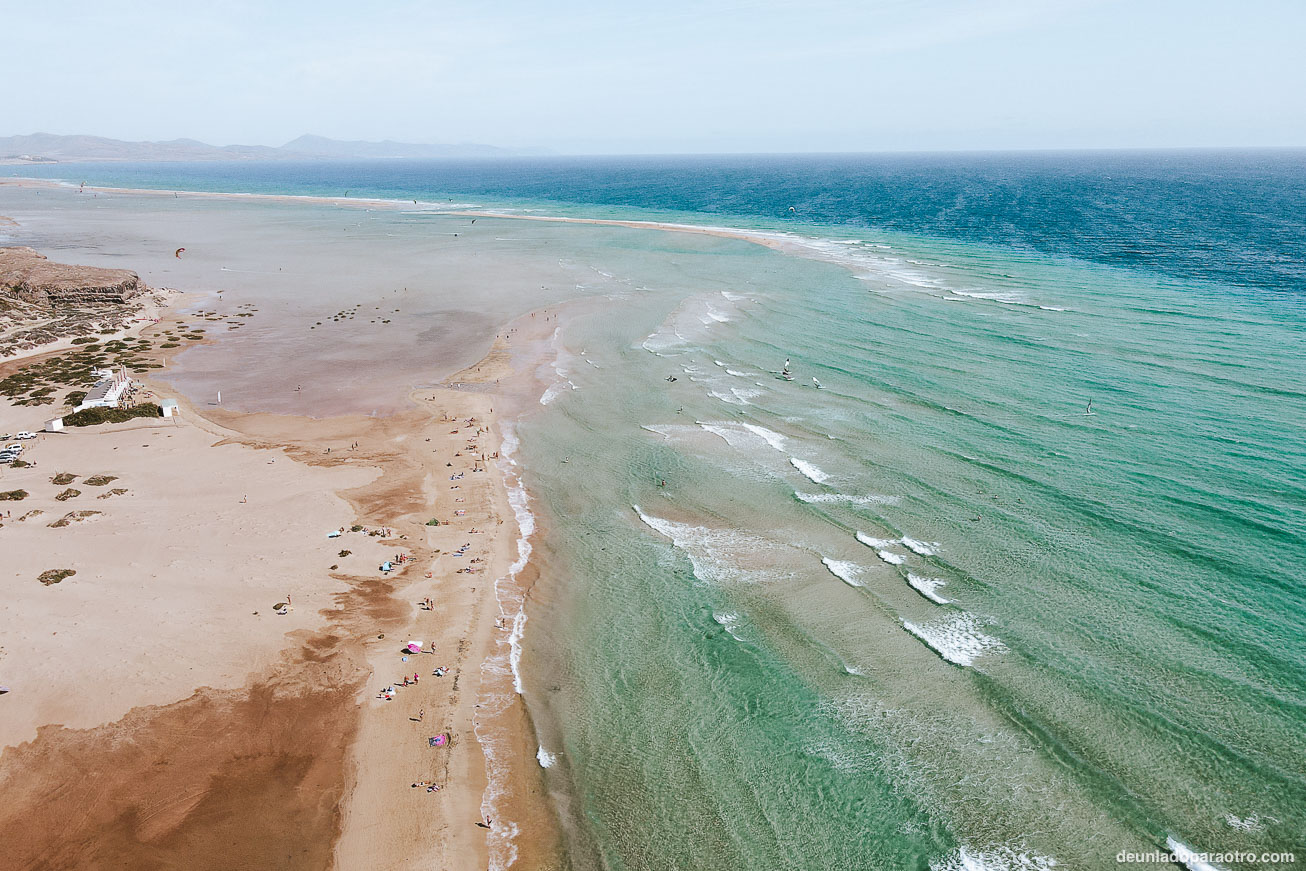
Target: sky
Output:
[(672, 76)]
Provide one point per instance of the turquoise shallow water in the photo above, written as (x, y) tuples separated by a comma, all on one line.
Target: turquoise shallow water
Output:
[(929, 613), (751, 673)]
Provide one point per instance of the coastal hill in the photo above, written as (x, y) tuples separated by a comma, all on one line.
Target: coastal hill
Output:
[(53, 148), (42, 302)]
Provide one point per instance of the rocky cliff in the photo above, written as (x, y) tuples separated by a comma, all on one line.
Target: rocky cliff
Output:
[(27, 276), (42, 303)]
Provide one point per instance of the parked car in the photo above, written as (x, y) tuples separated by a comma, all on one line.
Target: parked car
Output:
[(25, 435), (15, 447)]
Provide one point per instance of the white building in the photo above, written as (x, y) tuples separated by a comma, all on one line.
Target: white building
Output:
[(107, 392)]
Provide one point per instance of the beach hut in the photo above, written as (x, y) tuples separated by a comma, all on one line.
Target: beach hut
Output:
[(55, 425), (168, 407)]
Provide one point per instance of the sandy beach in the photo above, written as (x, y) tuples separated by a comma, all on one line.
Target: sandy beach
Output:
[(164, 712)]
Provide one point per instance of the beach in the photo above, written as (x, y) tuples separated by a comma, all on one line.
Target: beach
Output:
[(202, 684)]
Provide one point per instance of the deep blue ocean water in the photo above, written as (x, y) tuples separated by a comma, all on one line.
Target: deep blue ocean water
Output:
[(1235, 217)]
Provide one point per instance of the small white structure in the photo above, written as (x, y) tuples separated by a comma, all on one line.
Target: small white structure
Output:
[(169, 407), (55, 425)]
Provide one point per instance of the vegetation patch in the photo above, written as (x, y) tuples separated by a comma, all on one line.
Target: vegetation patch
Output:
[(100, 480), (63, 478), (54, 576), (74, 398), (116, 491), (13, 495), (34, 512), (344, 553), (93, 416), (70, 493), (73, 517)]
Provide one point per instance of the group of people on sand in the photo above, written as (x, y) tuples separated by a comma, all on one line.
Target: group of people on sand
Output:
[(428, 604)]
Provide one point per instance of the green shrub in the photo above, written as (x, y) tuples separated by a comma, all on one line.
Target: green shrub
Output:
[(93, 416), (63, 478), (100, 480), (54, 576), (13, 495)]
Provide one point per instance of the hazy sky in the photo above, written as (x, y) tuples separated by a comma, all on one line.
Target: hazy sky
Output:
[(669, 75)]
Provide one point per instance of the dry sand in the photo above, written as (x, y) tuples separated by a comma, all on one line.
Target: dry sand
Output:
[(161, 715)]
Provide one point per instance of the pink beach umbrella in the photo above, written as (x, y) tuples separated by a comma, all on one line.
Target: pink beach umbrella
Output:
[(414, 647)]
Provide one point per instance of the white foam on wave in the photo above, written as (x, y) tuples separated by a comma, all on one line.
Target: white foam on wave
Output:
[(545, 758), (993, 296), (718, 555), (505, 664), (733, 297), (848, 572), (744, 394), (924, 548), (728, 621), (1246, 824), (813, 473), (735, 395), (871, 499), (1190, 858), (663, 339), (737, 374), (880, 546), (556, 390), (999, 858), (872, 541), (928, 587), (957, 638), (772, 438), (730, 436)]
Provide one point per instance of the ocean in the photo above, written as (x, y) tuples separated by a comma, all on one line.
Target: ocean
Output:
[(1008, 572)]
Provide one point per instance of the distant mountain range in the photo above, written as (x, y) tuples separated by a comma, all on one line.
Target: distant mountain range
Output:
[(51, 148)]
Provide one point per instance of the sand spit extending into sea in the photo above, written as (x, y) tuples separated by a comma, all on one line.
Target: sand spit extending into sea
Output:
[(162, 713)]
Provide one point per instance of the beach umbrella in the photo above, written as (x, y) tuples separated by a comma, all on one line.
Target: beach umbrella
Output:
[(414, 647)]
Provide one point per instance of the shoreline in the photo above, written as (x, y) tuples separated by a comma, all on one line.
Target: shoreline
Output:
[(777, 240), (330, 666)]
